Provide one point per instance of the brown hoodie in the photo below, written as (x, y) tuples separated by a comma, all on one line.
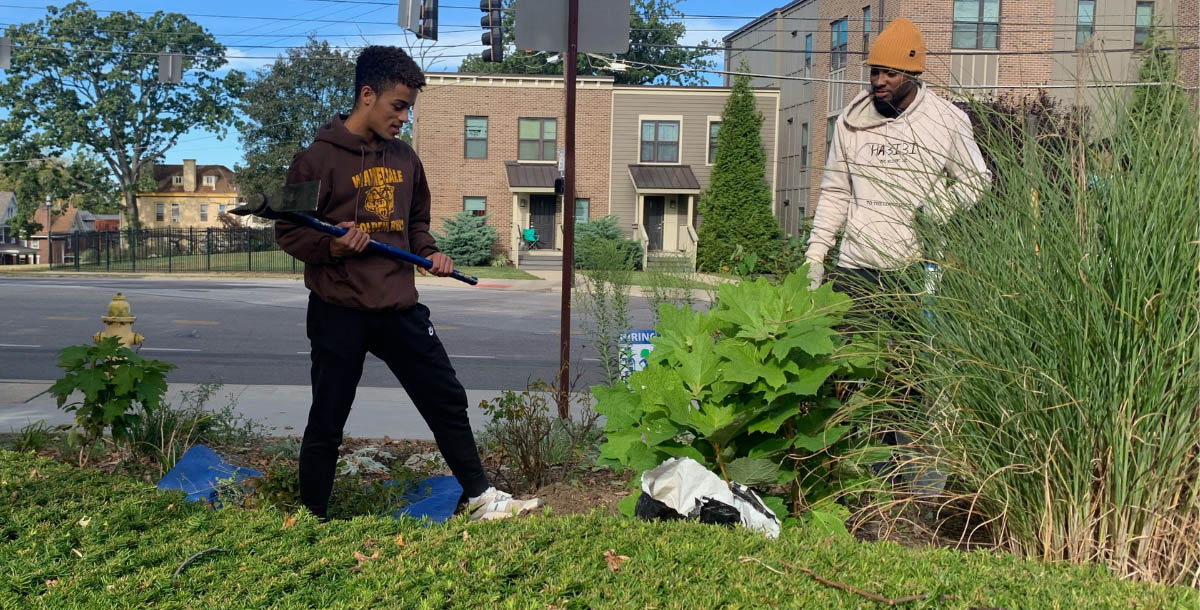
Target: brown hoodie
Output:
[(385, 193)]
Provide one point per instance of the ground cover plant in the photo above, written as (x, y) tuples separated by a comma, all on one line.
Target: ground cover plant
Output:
[(1053, 373), (78, 538)]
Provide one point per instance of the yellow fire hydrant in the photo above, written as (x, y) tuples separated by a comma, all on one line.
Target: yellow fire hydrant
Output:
[(119, 323)]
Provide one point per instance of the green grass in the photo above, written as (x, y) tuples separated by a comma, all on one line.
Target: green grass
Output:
[(499, 273), (82, 539)]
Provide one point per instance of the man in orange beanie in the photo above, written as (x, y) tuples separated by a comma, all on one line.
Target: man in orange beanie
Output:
[(897, 150)]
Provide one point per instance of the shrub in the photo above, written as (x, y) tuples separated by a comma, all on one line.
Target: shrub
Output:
[(603, 301), (468, 239), (539, 446), (595, 242), (166, 433)]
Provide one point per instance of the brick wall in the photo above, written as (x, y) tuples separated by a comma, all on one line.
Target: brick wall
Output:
[(439, 129)]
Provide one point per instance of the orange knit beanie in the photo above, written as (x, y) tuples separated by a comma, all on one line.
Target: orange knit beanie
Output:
[(899, 47)]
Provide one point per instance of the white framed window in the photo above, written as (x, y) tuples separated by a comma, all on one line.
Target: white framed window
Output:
[(174, 212), (158, 212), (477, 206), (866, 29), (177, 180), (220, 208), (210, 181), (660, 141), (204, 212), (536, 139), (976, 24), (714, 126)]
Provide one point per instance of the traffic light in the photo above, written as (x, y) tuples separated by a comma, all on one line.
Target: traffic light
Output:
[(493, 37), (419, 17), (427, 26)]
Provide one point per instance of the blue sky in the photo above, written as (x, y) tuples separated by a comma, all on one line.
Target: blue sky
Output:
[(246, 27)]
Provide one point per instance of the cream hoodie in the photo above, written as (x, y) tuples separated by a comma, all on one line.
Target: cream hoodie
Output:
[(881, 172)]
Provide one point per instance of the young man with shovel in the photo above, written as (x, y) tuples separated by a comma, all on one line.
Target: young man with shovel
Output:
[(373, 185)]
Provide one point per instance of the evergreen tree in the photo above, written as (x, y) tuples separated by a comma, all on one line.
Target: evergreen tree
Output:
[(737, 203)]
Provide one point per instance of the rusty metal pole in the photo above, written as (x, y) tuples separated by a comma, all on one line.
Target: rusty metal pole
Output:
[(568, 259)]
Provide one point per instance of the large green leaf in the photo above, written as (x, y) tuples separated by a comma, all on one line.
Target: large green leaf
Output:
[(828, 518), (618, 406), (675, 449), (773, 419), (752, 471), (655, 430), (807, 382), (744, 364), (698, 367), (740, 304), (769, 446), (618, 444), (817, 442)]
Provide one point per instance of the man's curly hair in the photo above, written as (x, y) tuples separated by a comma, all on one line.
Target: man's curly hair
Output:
[(380, 67)]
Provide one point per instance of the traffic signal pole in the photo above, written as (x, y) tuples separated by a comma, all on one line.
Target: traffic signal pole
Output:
[(568, 266)]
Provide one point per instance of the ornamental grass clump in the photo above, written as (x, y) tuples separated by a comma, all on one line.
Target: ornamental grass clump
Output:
[(1053, 374)]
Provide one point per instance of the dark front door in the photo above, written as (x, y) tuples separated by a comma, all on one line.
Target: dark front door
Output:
[(652, 219), (541, 218)]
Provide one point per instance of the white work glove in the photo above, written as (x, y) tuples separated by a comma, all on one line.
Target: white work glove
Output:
[(816, 272)]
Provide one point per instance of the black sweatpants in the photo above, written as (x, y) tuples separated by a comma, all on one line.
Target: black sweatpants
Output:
[(406, 342)]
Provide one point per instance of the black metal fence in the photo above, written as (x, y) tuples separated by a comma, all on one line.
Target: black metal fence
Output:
[(173, 250)]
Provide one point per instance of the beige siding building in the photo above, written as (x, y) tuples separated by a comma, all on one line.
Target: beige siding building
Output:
[(188, 195), (663, 146)]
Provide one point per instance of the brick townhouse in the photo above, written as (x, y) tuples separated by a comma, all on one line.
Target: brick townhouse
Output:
[(982, 47), (489, 145), (187, 195)]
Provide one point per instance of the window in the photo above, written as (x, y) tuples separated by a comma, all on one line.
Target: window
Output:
[(660, 141), (713, 128), (881, 16), (804, 145), (808, 55), (176, 180), (1085, 18), (581, 210), (829, 126), (220, 209), (475, 139), (837, 45), (866, 28), (210, 181), (174, 212), (477, 206), (204, 212), (1143, 21), (976, 24), (158, 212), (536, 139)]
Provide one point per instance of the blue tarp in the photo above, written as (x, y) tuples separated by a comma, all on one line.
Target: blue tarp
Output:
[(197, 473)]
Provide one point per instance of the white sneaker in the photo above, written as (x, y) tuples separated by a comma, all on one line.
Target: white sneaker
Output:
[(496, 504)]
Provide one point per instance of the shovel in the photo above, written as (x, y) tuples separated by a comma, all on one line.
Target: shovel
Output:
[(289, 204)]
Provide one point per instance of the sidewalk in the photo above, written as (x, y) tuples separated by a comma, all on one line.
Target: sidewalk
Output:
[(550, 280), (283, 409)]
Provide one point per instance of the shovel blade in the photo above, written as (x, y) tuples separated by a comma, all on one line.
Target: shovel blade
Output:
[(299, 197)]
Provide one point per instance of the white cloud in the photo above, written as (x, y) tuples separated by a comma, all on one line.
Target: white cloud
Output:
[(248, 60)]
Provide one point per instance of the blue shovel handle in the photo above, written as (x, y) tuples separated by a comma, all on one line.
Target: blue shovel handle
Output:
[(375, 246)]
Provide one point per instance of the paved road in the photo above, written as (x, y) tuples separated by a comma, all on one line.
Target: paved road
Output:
[(252, 331)]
